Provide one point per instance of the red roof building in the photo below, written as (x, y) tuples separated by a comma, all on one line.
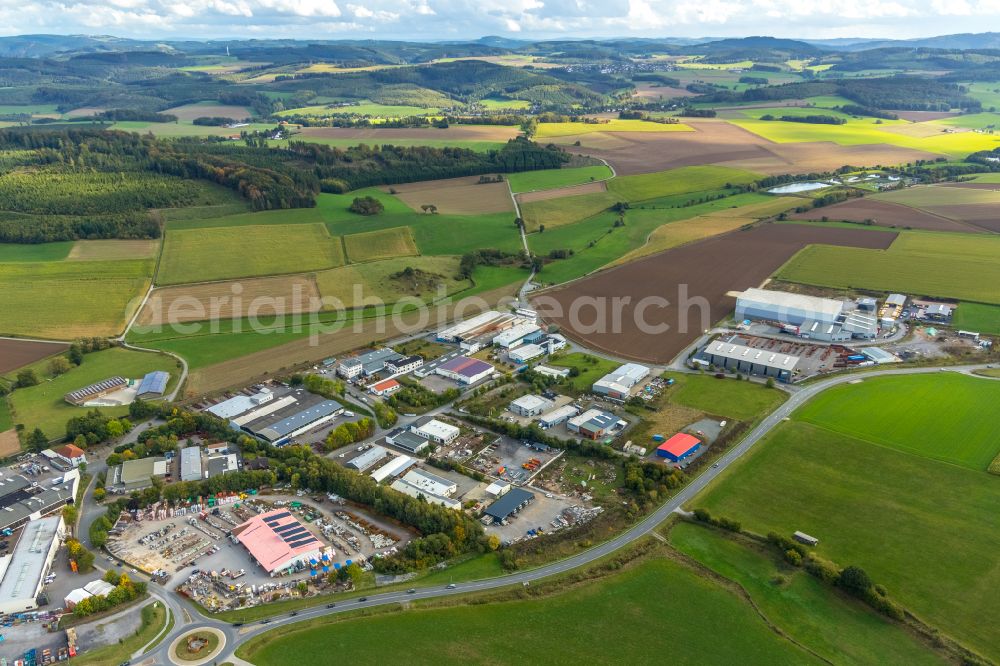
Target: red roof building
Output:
[(277, 540), (384, 387), (678, 447), (71, 454)]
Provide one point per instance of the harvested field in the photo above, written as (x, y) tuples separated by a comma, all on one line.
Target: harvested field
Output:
[(703, 272), (550, 130), (560, 192), (382, 244), (921, 116), (111, 250), (369, 135), (885, 214), (653, 91), (265, 296), (456, 196), (9, 443), (984, 216), (722, 143), (188, 112), (17, 353)]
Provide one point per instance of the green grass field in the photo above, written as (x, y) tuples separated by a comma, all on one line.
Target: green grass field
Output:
[(382, 244), (68, 299), (924, 529), (977, 317), (564, 210), (478, 146), (622, 606), (831, 624), (724, 397), (14, 252), (183, 129), (549, 179), (362, 109), (382, 279), (987, 178), (591, 369), (950, 432), (959, 266), (42, 406), (677, 181), (223, 253), (6, 420), (501, 104)]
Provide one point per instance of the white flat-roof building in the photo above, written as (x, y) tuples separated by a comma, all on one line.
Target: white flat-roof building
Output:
[(514, 336), (751, 361), (266, 409), (392, 468), (557, 416), (618, 384), (497, 488), (483, 323), (437, 431), (549, 371), (191, 464), (430, 483), (239, 404), (23, 571), (368, 458), (526, 353), (530, 405), (413, 491)]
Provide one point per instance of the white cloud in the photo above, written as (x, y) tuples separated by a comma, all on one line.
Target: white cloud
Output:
[(430, 19)]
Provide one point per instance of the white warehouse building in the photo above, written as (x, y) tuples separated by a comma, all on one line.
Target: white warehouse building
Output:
[(22, 573), (786, 308)]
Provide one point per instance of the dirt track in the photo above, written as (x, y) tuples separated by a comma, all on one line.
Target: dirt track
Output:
[(17, 353), (885, 214), (708, 269)]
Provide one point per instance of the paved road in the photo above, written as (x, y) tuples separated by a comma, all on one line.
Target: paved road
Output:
[(236, 635)]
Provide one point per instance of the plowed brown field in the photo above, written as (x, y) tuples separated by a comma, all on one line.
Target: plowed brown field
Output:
[(708, 270), (885, 214), (17, 353)]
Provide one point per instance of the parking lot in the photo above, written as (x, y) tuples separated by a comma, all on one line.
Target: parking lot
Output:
[(542, 516)]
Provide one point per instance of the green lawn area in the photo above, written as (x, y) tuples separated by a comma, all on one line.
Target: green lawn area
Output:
[(69, 299), (741, 400), (6, 421), (223, 253), (362, 109), (154, 616), (987, 92), (591, 368), (833, 625), (42, 406), (478, 146), (548, 179), (952, 431), (960, 266), (620, 606), (973, 120), (500, 104), (596, 243), (977, 317), (677, 181), (564, 210), (924, 529), (986, 178), (15, 252), (182, 129)]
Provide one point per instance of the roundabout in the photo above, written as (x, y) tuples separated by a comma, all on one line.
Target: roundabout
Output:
[(197, 646)]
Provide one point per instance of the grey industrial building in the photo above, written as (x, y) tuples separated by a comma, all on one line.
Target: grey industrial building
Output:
[(508, 504), (367, 364), (190, 464), (21, 502), (407, 440), (734, 356), (280, 427)]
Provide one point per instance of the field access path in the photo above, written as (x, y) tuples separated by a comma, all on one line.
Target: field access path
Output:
[(236, 635)]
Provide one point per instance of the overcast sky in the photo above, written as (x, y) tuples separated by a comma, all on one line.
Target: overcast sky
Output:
[(464, 19)]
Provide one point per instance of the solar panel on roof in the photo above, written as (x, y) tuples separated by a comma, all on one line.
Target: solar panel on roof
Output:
[(303, 542), (294, 534), (283, 514), (281, 529)]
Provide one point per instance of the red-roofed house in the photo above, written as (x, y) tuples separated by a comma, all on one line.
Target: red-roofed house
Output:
[(70, 454), (277, 540), (384, 387), (678, 447)]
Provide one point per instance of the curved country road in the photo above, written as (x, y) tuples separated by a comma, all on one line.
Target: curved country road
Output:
[(236, 635)]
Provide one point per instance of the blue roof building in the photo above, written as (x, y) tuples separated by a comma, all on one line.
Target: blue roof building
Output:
[(153, 385)]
